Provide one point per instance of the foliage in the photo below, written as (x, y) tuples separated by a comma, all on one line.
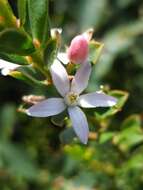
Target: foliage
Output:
[(44, 153)]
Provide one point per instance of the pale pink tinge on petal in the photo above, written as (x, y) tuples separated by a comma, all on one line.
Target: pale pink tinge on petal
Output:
[(78, 50)]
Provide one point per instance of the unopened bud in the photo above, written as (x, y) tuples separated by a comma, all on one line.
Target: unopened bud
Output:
[(56, 34), (32, 99), (78, 50)]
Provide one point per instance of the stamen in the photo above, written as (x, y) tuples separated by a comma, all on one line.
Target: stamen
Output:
[(71, 99)]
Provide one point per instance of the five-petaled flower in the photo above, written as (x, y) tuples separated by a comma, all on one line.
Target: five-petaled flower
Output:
[(71, 98)]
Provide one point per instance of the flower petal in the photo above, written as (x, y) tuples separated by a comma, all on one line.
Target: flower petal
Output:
[(96, 99), (79, 122), (7, 66), (49, 107), (60, 77), (80, 81), (63, 58)]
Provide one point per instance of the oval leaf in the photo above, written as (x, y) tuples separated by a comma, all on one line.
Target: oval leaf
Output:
[(39, 21), (50, 51), (22, 11), (21, 60)]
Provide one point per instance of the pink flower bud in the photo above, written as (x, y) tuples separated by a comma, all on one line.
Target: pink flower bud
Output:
[(78, 50)]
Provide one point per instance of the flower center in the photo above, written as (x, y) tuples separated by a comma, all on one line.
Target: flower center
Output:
[(71, 99)]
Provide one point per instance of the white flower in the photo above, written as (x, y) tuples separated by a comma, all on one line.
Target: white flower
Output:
[(6, 67), (71, 98)]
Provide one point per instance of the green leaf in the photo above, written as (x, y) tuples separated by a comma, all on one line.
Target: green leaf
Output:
[(20, 76), (27, 74), (95, 49), (24, 16), (122, 97), (50, 51), (133, 120), (22, 11), (135, 162), (15, 42), (7, 19), (75, 151), (39, 20), (14, 58), (131, 133), (106, 136)]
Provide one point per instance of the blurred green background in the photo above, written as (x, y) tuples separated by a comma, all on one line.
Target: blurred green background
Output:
[(32, 156)]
